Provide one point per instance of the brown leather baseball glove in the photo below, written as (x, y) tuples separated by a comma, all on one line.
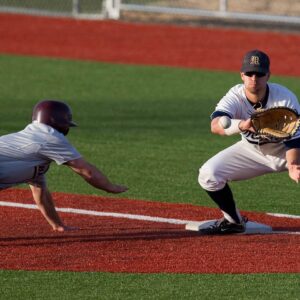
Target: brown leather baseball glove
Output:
[(278, 122)]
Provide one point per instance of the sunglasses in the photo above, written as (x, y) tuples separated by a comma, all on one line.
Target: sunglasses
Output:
[(257, 74)]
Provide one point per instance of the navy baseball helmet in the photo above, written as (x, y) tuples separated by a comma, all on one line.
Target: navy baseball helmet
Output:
[(54, 113)]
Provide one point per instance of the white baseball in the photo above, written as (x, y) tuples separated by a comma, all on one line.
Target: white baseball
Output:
[(224, 122)]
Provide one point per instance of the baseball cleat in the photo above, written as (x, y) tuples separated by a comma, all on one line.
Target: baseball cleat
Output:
[(223, 226)]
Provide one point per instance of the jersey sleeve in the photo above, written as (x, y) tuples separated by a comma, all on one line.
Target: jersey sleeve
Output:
[(229, 105), (219, 113), (294, 143), (59, 149)]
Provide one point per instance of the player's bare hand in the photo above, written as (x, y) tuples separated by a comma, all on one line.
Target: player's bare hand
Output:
[(246, 125), (116, 189), (64, 228), (294, 172)]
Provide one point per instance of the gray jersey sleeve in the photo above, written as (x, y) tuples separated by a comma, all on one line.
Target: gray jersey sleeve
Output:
[(58, 149)]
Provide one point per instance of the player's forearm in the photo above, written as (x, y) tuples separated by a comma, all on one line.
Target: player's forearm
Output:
[(293, 156), (293, 163), (236, 126), (94, 176), (216, 128), (226, 126), (44, 201), (97, 179)]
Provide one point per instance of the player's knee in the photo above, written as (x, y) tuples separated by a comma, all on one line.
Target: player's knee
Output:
[(205, 177), (208, 178)]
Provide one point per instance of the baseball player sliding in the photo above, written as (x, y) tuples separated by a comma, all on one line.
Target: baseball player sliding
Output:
[(254, 155), (25, 157)]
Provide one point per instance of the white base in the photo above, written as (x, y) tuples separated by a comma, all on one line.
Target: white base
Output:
[(251, 227)]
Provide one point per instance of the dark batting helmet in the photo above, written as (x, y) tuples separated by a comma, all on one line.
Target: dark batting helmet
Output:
[(54, 113)]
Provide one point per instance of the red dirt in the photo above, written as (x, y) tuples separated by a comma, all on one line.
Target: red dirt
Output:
[(120, 42), (121, 245)]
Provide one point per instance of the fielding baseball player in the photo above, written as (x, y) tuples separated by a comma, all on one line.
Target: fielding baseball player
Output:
[(254, 155), (25, 157)]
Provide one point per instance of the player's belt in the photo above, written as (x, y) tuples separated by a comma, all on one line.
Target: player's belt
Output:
[(261, 143)]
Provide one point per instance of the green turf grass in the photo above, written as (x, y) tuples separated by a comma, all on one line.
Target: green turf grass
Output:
[(86, 6), (144, 127), (148, 128), (104, 286)]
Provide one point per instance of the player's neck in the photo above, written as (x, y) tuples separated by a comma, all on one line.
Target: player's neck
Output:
[(255, 97), (258, 100)]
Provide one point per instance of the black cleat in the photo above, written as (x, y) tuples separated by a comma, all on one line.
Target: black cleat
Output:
[(223, 226)]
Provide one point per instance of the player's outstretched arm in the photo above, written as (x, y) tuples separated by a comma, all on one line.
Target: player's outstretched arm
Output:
[(293, 163), (44, 201), (94, 176), (233, 127)]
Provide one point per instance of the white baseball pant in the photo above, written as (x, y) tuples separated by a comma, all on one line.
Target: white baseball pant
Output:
[(242, 161)]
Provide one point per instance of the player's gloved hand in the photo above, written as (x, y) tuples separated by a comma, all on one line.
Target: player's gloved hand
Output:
[(246, 125), (294, 172)]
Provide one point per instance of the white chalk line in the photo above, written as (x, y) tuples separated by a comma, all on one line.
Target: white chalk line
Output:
[(101, 214), (283, 215), (132, 216)]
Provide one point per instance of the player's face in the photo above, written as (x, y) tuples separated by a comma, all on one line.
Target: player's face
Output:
[(255, 82)]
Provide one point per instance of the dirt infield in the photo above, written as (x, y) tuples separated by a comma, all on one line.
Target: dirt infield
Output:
[(110, 244), (109, 41)]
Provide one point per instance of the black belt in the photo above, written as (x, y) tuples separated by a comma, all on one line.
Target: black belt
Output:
[(261, 143)]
